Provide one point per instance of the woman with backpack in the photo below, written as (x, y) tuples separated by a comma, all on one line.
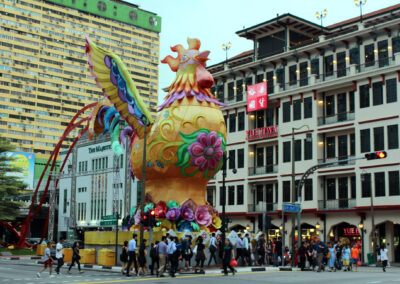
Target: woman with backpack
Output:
[(124, 256)]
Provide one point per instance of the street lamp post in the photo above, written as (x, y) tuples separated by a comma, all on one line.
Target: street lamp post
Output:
[(321, 15), (361, 226), (224, 159), (296, 194), (226, 47), (360, 3)]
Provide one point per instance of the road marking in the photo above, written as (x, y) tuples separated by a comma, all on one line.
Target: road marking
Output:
[(185, 276)]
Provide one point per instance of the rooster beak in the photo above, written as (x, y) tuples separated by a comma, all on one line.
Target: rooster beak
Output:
[(202, 57)]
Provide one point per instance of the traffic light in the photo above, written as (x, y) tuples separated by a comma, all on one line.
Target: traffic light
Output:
[(376, 155), (145, 219), (152, 218)]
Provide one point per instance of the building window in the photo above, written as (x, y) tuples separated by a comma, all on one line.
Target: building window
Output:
[(240, 158), (241, 121), (331, 188), (355, 55), (369, 55), (330, 147), (308, 190), (307, 105), (383, 56), (377, 93), (286, 151), (394, 186), (296, 110), (315, 67), (231, 195), (341, 64), (240, 195), (292, 75), (239, 90), (330, 105), (352, 144), (351, 101), (259, 78), (307, 150), (232, 122), (260, 118), (270, 82), (231, 91), (286, 191), (297, 150), (366, 185), (303, 74), (220, 93), (232, 159), (65, 201), (379, 143), (260, 157), (286, 111), (396, 44), (379, 184), (353, 187), (280, 77), (260, 193), (365, 140), (210, 195), (393, 136), (328, 62), (270, 116), (364, 96), (391, 91)]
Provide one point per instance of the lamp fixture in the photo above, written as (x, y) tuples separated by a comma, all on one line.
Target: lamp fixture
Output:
[(317, 226), (312, 230), (361, 226), (280, 228)]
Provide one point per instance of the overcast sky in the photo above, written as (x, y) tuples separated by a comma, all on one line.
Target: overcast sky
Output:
[(215, 22)]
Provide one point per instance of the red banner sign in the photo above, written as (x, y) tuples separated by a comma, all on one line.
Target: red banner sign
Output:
[(257, 97), (351, 232), (261, 133)]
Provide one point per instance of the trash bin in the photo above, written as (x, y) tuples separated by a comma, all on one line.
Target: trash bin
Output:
[(370, 257), (40, 249), (67, 252), (88, 256), (106, 257)]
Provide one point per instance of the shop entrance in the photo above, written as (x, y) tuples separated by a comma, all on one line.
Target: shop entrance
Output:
[(345, 232)]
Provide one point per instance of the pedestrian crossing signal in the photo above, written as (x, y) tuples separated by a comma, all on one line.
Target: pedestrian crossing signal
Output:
[(376, 155)]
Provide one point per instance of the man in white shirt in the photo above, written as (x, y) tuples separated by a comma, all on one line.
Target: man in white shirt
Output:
[(212, 247), (172, 257), (246, 248), (132, 255), (239, 249), (59, 255)]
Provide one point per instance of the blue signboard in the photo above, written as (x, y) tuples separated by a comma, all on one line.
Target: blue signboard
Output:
[(26, 162), (291, 208)]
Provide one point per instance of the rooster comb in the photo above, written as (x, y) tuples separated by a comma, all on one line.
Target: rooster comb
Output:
[(173, 63)]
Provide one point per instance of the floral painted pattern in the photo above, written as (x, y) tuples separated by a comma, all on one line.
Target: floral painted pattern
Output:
[(203, 150)]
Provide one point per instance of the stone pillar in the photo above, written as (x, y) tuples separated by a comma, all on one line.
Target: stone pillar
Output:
[(397, 58)]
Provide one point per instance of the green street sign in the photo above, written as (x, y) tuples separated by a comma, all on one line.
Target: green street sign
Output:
[(108, 223), (109, 217)]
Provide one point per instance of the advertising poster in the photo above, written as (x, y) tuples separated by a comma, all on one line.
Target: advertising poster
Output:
[(26, 162), (257, 97)]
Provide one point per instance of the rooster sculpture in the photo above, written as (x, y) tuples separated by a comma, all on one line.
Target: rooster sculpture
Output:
[(184, 144)]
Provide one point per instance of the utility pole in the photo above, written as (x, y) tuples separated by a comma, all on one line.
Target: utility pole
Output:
[(373, 235), (142, 193), (116, 209), (50, 230)]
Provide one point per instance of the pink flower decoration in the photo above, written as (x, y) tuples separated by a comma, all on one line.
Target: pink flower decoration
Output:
[(203, 216), (137, 217), (187, 213), (173, 214), (207, 151)]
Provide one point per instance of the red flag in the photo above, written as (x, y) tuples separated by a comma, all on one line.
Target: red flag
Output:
[(257, 97)]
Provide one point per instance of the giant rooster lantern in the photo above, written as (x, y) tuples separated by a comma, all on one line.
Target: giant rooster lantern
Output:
[(185, 143)]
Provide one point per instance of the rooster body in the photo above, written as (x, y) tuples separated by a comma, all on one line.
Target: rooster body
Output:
[(186, 142)]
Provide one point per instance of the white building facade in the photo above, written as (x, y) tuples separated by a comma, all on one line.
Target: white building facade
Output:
[(91, 180), (340, 84)]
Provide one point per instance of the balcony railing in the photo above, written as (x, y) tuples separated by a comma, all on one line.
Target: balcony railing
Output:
[(339, 117), (262, 207), (268, 169), (336, 204), (353, 162)]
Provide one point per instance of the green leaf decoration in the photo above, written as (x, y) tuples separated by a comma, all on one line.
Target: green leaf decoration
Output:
[(148, 207), (195, 227), (172, 204)]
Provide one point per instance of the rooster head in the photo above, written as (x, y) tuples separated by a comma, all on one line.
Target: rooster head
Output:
[(189, 66)]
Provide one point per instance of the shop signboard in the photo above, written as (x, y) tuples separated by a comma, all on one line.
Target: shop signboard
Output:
[(257, 97)]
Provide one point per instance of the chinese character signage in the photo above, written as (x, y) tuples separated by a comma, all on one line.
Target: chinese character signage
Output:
[(257, 97), (261, 133), (351, 232)]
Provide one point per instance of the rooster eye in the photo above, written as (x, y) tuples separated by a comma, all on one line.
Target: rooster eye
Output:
[(184, 58)]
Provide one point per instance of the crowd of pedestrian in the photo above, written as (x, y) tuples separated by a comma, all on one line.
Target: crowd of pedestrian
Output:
[(172, 255)]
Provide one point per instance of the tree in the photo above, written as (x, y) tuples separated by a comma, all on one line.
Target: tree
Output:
[(9, 184)]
